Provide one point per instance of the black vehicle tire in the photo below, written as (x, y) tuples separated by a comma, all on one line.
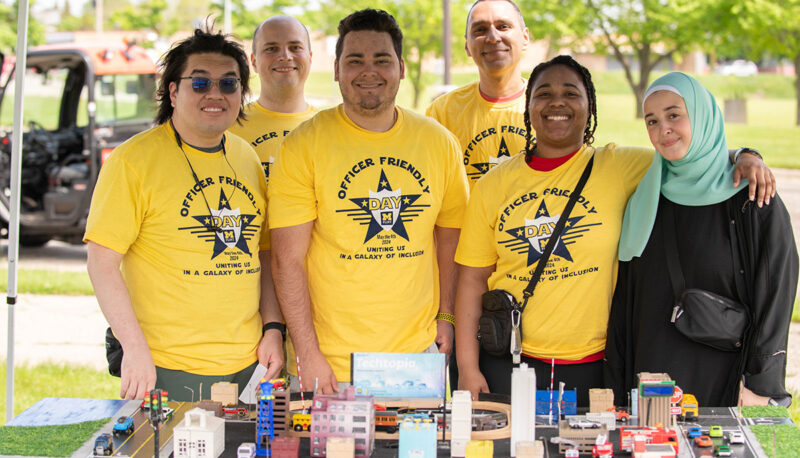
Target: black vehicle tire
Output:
[(33, 241), (298, 428), (391, 429)]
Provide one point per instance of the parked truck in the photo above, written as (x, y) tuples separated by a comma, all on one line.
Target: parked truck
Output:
[(81, 100)]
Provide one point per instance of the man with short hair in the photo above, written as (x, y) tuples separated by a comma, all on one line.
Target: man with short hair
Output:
[(181, 209), (487, 116), (366, 201), (282, 58)]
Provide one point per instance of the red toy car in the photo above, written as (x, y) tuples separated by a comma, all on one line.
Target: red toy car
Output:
[(703, 441), (620, 414)]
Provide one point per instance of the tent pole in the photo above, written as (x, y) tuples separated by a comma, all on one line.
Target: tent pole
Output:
[(16, 176)]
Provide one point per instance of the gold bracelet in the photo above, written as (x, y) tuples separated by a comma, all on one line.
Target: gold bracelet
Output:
[(449, 317)]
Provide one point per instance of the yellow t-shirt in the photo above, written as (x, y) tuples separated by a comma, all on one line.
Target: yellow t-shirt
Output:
[(374, 199), (512, 211), (490, 133), (195, 291), (265, 129)]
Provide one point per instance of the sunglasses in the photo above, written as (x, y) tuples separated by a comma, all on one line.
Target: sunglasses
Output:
[(201, 84)]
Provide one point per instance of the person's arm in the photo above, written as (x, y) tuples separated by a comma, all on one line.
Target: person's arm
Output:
[(270, 348), (138, 371), (289, 249), (446, 243), (774, 270), (472, 283), (759, 176)]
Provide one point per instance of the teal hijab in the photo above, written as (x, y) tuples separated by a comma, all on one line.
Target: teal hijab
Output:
[(703, 177)]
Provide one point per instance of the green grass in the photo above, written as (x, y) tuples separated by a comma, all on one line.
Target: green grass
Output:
[(38, 281), (59, 440), (786, 439), (765, 411), (32, 383)]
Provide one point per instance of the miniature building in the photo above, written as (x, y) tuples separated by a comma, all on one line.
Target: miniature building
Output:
[(340, 447), (200, 434), (523, 406), (280, 412), (226, 393), (655, 391), (417, 439), (601, 399), (211, 406), (585, 438), (528, 449), (480, 449), (264, 426), (568, 405), (285, 447), (343, 415), (461, 429)]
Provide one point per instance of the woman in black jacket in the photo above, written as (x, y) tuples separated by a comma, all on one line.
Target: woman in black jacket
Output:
[(685, 228)]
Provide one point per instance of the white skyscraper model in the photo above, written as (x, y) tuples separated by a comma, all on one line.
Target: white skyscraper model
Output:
[(461, 426), (523, 406)]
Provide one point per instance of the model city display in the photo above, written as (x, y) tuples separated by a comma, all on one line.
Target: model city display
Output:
[(659, 422)]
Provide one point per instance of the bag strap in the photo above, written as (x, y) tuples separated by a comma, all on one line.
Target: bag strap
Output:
[(671, 248), (551, 242)]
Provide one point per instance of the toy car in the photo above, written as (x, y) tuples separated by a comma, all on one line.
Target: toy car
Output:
[(123, 425), (689, 408), (736, 437), (103, 445), (703, 441), (694, 431), (723, 450), (246, 450), (583, 424), (715, 431), (620, 414)]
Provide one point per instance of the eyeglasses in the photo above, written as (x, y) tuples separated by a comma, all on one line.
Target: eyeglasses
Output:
[(201, 84)]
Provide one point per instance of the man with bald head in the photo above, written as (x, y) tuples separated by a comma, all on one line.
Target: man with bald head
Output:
[(487, 116), (282, 58)]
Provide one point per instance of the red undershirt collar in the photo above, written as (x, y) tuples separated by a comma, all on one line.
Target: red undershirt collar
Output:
[(546, 164), (501, 99)]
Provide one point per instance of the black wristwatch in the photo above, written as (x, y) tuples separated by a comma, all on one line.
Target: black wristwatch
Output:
[(745, 149), (274, 325)]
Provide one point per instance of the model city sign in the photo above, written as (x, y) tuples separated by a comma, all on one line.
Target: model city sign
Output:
[(413, 375)]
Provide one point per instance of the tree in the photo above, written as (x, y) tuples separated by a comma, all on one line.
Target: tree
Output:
[(244, 19), (8, 34), (147, 15), (769, 26), (421, 23), (640, 34)]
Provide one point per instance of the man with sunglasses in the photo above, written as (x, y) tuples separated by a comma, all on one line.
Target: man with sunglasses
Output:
[(177, 234), (366, 199)]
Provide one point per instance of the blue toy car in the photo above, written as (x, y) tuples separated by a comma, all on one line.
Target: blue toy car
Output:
[(124, 425), (103, 445), (694, 431)]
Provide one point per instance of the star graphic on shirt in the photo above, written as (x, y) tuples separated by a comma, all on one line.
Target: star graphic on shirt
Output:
[(503, 155), (536, 233), (384, 209), (225, 227)]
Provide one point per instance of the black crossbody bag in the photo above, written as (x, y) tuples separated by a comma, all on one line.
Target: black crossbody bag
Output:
[(700, 315), (499, 327)]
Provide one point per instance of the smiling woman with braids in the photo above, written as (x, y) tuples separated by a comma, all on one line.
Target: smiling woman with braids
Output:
[(513, 211)]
